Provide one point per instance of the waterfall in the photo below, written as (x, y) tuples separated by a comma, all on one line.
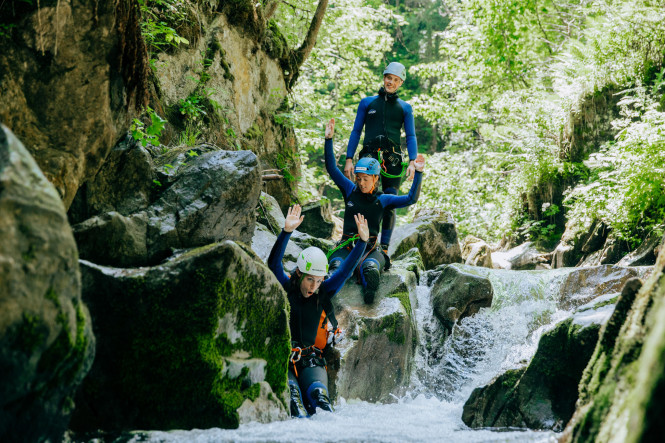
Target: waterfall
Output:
[(446, 370)]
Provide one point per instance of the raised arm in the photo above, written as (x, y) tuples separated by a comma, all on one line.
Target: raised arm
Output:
[(335, 282), (357, 130), (292, 221), (344, 184), (390, 201)]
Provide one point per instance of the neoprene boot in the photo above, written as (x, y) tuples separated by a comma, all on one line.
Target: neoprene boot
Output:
[(320, 396), (372, 276), (297, 408)]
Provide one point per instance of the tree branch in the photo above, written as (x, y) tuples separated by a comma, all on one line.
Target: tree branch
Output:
[(270, 8), (301, 54)]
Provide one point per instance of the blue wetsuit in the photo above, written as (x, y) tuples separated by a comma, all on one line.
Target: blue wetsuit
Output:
[(383, 116), (306, 315), (372, 206)]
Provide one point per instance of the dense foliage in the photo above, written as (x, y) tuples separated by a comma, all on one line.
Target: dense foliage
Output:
[(496, 82)]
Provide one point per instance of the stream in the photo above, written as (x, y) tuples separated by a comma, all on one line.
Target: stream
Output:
[(446, 370)]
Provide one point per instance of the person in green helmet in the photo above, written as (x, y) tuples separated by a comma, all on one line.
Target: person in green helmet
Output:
[(382, 117)]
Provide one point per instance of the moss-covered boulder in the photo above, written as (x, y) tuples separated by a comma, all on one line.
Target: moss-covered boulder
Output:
[(435, 236), (210, 197), (621, 394), (46, 341), (458, 292), (377, 353), (318, 220), (543, 395), (184, 344)]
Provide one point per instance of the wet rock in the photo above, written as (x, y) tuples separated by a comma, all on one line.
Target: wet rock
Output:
[(46, 340), (435, 236), (523, 257), (183, 344), (543, 395), (269, 214), (585, 284), (476, 252), (378, 336), (318, 220), (645, 254), (569, 250), (212, 197), (266, 408), (457, 293), (621, 391)]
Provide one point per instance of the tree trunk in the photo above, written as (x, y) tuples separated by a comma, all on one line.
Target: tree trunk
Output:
[(270, 9), (300, 55)]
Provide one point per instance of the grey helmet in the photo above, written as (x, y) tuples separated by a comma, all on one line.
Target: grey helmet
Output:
[(397, 69)]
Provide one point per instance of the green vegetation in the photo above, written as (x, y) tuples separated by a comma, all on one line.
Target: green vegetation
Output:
[(497, 89)]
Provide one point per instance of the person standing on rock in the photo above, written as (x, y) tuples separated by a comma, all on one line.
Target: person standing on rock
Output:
[(309, 293), (362, 197), (383, 116)]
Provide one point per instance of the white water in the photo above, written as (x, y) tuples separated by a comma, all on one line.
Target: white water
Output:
[(445, 373)]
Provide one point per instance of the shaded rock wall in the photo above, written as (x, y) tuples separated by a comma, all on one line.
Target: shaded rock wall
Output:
[(621, 392), (66, 98), (46, 341)]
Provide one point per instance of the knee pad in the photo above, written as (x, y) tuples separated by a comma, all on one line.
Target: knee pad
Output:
[(334, 264)]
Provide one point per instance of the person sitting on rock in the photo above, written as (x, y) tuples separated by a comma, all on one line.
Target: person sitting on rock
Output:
[(309, 293), (363, 198)]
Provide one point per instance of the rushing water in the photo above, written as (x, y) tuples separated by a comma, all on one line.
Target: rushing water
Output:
[(447, 369)]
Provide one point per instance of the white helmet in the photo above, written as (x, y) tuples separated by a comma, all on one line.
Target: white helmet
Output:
[(397, 69), (313, 261)]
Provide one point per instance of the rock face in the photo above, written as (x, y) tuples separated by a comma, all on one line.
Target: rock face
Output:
[(184, 344), (65, 98), (621, 391), (210, 197), (377, 353), (46, 341), (435, 236), (543, 395), (458, 293)]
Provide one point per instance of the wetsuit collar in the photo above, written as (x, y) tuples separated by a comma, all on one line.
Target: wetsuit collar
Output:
[(391, 96)]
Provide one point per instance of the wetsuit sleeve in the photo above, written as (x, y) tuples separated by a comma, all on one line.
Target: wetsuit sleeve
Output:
[(344, 184), (358, 125), (390, 201), (335, 282), (410, 130), (276, 256)]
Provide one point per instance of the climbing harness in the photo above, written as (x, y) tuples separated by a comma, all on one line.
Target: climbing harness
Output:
[(341, 245), (385, 151), (307, 357)]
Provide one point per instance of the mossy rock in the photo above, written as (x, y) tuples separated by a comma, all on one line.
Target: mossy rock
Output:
[(170, 336)]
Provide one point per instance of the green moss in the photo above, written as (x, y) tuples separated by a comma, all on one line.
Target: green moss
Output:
[(405, 300), (253, 132), (30, 334), (510, 378), (392, 326)]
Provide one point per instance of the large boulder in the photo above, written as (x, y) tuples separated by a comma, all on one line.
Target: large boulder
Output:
[(67, 77), (185, 344), (621, 391), (46, 341), (585, 284), (523, 257), (435, 236), (211, 197), (543, 395), (458, 292), (318, 221), (476, 252), (377, 354)]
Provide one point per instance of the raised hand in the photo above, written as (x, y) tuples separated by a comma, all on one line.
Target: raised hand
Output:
[(293, 218), (348, 169), (330, 128), (410, 171), (420, 163), (363, 229)]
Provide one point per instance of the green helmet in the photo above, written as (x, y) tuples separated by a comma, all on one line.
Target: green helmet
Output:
[(313, 261), (397, 69)]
